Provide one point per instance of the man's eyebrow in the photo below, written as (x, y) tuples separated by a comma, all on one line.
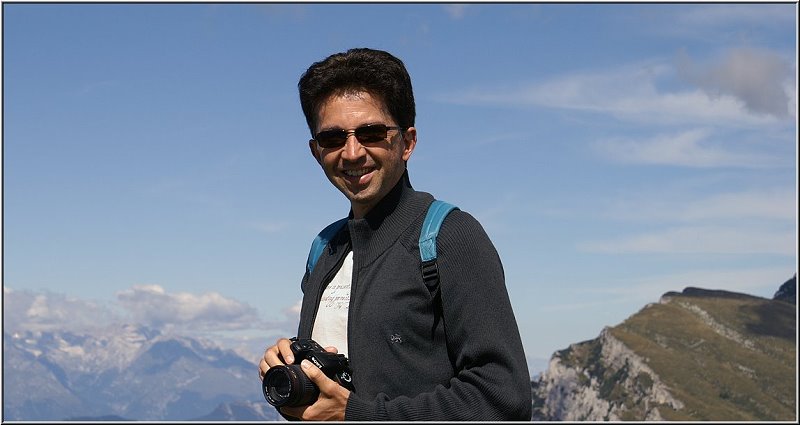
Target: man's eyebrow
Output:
[(338, 127)]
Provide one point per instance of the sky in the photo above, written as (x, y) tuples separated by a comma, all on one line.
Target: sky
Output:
[(156, 167)]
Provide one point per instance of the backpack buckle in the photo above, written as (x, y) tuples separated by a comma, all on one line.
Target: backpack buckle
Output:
[(430, 274)]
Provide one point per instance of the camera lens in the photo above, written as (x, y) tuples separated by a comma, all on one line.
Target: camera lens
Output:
[(279, 386), (288, 386)]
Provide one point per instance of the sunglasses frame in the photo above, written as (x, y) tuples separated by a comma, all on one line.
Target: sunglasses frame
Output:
[(354, 132)]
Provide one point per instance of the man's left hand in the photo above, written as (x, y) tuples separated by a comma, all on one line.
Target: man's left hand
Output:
[(332, 401)]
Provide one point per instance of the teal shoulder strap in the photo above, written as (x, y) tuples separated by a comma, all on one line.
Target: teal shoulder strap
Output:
[(430, 229), (437, 212), (321, 241)]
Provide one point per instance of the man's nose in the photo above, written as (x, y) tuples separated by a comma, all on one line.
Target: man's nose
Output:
[(352, 149)]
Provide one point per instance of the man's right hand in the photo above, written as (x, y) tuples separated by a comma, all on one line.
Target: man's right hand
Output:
[(278, 354)]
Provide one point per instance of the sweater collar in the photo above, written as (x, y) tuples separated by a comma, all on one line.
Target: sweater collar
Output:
[(386, 206), (385, 222)]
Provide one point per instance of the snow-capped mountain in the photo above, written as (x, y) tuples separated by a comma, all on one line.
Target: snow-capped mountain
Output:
[(126, 371)]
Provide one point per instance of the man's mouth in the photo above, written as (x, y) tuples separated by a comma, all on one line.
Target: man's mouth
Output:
[(359, 176), (357, 173)]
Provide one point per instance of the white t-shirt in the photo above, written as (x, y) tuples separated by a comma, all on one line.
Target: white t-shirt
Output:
[(330, 326)]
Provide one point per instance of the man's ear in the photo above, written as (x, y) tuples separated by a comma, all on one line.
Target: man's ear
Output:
[(410, 140), (313, 146)]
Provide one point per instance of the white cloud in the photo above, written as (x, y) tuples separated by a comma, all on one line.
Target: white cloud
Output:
[(763, 204), (250, 343), (284, 323), (692, 148), (152, 305), (777, 204), (635, 292), (26, 310), (149, 305), (721, 22), (229, 322), (754, 281), (756, 77), (294, 310), (724, 15), (633, 93), (700, 240)]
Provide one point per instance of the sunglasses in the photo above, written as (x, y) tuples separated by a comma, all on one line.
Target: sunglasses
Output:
[(368, 134)]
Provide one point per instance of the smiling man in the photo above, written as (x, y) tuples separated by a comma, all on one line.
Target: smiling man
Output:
[(364, 172), (426, 339)]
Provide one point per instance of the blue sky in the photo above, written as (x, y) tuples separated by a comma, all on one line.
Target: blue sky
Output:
[(156, 169)]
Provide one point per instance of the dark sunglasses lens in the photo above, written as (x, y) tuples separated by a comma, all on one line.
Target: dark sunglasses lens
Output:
[(367, 134), (331, 138), (371, 133)]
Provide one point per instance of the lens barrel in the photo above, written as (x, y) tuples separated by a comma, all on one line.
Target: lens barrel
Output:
[(287, 385)]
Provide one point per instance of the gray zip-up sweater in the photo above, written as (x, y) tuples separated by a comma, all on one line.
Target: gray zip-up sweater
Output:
[(416, 356)]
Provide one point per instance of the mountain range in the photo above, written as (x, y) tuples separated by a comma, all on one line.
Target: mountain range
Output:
[(696, 355), (126, 372)]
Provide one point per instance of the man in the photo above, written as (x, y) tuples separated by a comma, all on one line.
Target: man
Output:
[(453, 353)]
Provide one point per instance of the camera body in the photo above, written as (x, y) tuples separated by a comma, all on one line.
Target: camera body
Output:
[(288, 385)]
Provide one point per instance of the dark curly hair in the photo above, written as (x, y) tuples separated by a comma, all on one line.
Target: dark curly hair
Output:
[(374, 71)]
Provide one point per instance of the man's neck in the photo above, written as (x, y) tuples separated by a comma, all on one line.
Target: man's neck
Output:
[(360, 211)]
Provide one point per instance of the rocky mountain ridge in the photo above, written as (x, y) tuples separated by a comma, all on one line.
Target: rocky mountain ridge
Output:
[(695, 355)]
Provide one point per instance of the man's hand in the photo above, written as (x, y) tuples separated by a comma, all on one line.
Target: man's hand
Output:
[(275, 356), (332, 401), (332, 398)]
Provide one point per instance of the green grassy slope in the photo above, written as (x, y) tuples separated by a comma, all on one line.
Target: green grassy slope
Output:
[(728, 358)]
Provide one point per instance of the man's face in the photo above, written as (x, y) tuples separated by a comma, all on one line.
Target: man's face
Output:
[(364, 174)]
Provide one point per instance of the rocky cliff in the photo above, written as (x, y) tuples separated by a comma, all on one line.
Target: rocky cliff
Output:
[(696, 355)]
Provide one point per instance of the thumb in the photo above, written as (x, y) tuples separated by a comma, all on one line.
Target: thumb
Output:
[(314, 373)]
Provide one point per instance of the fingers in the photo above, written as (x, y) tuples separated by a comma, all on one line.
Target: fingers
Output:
[(279, 354), (276, 355), (314, 373), (262, 369), (332, 349), (318, 378), (284, 346), (332, 400)]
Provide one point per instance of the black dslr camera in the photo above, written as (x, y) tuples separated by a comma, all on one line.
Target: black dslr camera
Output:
[(288, 385)]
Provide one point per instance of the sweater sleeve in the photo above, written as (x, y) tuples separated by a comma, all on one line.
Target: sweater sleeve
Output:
[(491, 379)]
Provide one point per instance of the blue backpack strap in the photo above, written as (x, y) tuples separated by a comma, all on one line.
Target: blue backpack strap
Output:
[(321, 241), (437, 212)]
